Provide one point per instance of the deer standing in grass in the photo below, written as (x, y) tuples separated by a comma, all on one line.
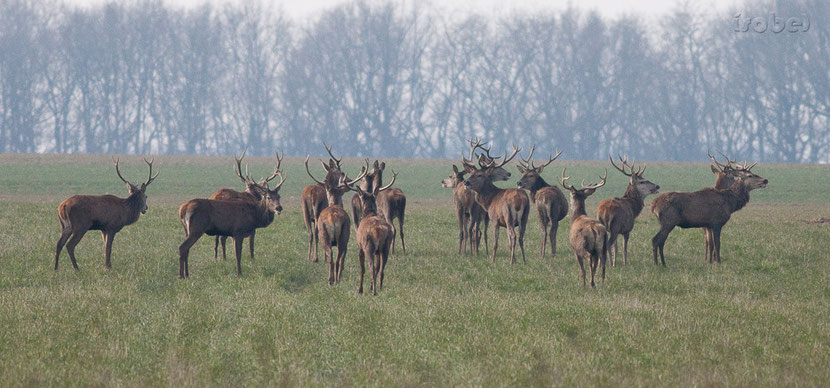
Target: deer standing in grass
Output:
[(107, 213), (233, 218), (466, 210), (313, 200), (588, 237), (507, 208), (706, 208), (726, 174), (618, 214), (466, 207), (374, 237), (367, 184), (333, 225), (250, 194), (551, 204)]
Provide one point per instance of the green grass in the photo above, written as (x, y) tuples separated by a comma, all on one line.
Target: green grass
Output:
[(759, 318)]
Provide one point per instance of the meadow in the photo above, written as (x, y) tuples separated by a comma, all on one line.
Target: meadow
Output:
[(758, 318)]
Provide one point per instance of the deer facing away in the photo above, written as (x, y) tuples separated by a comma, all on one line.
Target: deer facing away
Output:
[(551, 204), (107, 213), (313, 201), (374, 237), (588, 237)]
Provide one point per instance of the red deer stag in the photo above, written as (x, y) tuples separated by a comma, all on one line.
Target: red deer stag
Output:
[(333, 223), (618, 214), (474, 211), (726, 174), (233, 218), (374, 237), (107, 213), (313, 200), (391, 202), (466, 209), (588, 237), (709, 207), (551, 204), (367, 184), (506, 207), (250, 194)]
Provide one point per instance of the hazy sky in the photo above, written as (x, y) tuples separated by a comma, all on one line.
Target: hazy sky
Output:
[(301, 9)]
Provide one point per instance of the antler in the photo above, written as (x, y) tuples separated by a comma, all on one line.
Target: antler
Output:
[(277, 172), (150, 177), (337, 161), (118, 171), (474, 144), (309, 171), (238, 170), (598, 185), (723, 167), (505, 158), (625, 164), (564, 179), (394, 176), (528, 163), (363, 172)]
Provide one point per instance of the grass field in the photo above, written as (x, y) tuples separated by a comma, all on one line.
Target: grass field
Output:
[(759, 318)]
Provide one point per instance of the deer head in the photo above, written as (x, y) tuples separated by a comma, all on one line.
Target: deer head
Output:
[(636, 180), (138, 192), (454, 179), (530, 172), (579, 195), (272, 196), (337, 184), (484, 159), (490, 170), (368, 198)]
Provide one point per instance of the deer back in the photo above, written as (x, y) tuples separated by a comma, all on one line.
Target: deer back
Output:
[(102, 212)]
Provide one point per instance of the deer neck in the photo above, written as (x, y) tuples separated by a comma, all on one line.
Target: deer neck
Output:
[(265, 214), (334, 198), (486, 194), (133, 202), (579, 208), (367, 212), (538, 184), (635, 198), (739, 196)]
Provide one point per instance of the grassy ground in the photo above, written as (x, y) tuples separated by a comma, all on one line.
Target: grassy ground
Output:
[(759, 318)]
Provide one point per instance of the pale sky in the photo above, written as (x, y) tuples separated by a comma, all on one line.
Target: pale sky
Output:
[(303, 9)]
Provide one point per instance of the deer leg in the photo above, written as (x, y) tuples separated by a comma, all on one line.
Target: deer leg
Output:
[(361, 257), (594, 261), (522, 226), (544, 227), (612, 241), (65, 233), (659, 240), (251, 244), (373, 286), (215, 247), (553, 229), (342, 248), (716, 242), (184, 252), (224, 240), (495, 242), (403, 240), (108, 248), (581, 268), (625, 248), (384, 257), (487, 243), (237, 247), (462, 226), (70, 245), (511, 239)]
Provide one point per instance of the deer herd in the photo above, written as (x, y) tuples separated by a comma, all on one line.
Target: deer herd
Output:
[(477, 199)]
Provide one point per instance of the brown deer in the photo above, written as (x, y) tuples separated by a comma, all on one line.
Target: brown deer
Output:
[(465, 198), (588, 237), (551, 204), (725, 174), (107, 213), (367, 184), (374, 237), (618, 214), (250, 194), (466, 209), (313, 200), (234, 218), (333, 225), (506, 207), (710, 208)]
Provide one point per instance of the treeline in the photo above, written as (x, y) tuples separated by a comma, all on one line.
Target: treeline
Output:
[(401, 80)]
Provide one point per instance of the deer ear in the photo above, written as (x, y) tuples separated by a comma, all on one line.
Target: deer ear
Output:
[(589, 191), (521, 170), (540, 169), (714, 169), (376, 165), (382, 165), (469, 169), (454, 169)]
